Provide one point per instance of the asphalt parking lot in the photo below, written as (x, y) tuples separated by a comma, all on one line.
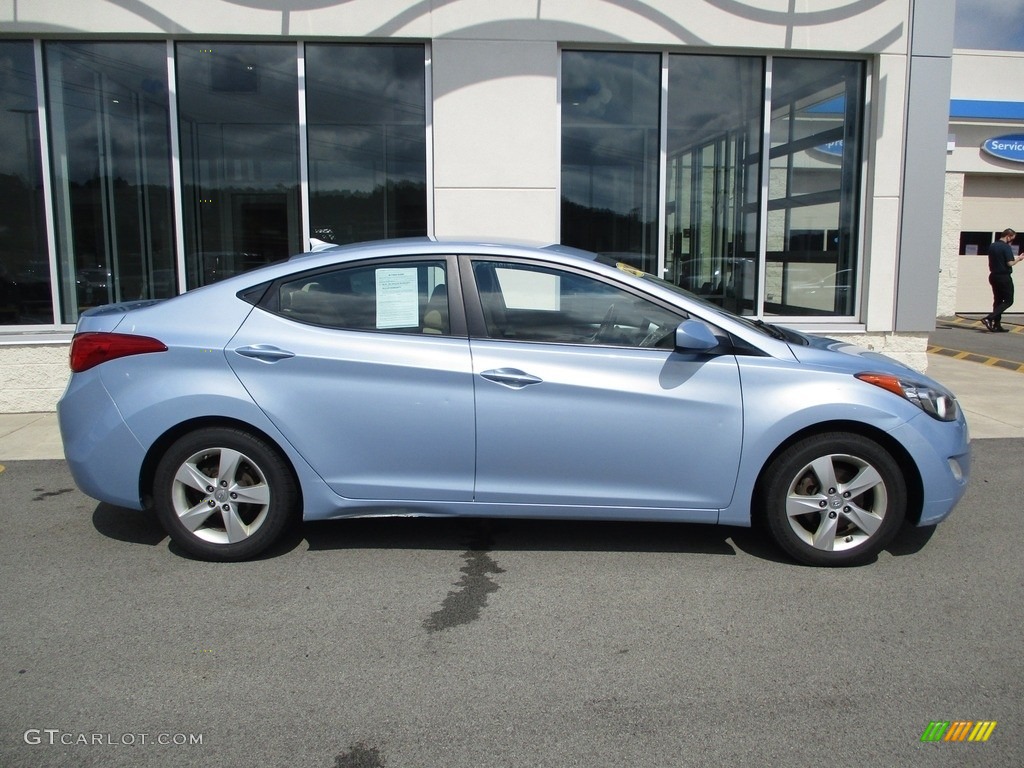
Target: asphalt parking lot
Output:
[(451, 643), (964, 337)]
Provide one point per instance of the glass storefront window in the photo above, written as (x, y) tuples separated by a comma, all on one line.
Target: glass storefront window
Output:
[(715, 105), (792, 252), (25, 297), (111, 155), (366, 124), (108, 107), (610, 120), (813, 192), (238, 119)]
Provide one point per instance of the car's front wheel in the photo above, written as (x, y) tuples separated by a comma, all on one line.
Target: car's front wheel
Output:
[(834, 499), (224, 494)]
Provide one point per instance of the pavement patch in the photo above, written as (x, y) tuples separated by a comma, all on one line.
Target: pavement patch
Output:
[(360, 756)]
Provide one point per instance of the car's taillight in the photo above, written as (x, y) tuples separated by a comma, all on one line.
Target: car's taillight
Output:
[(92, 348)]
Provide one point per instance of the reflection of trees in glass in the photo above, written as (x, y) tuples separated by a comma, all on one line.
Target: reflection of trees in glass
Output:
[(603, 230), (238, 123), (610, 107), (112, 171), (366, 110), (394, 209), (24, 268), (24, 264)]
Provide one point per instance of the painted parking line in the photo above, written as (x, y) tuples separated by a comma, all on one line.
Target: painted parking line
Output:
[(995, 362)]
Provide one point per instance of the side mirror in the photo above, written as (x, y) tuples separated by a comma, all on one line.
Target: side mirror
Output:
[(695, 336)]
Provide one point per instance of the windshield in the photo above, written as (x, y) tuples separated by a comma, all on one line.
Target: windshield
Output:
[(760, 326)]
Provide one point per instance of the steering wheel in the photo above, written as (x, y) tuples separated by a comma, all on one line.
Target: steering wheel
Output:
[(655, 336)]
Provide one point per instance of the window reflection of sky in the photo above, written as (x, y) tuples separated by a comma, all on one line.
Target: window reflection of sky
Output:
[(711, 95), (122, 84), (366, 109), (994, 25), (238, 102), (610, 106)]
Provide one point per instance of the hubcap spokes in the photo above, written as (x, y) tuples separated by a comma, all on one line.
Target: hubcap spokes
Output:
[(836, 502), (221, 495)]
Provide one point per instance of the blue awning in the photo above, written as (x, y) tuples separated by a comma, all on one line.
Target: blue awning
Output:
[(986, 110)]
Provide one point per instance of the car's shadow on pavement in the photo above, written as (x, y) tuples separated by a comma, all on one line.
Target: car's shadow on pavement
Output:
[(513, 534), (140, 527), (507, 534), (128, 525)]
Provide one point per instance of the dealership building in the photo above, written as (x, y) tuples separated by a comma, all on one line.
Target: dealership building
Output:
[(833, 166), (984, 175)]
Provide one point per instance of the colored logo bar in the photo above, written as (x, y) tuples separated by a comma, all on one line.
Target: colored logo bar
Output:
[(958, 730)]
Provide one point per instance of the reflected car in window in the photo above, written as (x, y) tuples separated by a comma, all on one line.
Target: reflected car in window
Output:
[(829, 294), (417, 377)]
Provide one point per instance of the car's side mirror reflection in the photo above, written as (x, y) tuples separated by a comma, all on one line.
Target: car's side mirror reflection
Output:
[(695, 336)]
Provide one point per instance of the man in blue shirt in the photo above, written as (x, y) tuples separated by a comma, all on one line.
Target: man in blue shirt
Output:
[(1000, 269)]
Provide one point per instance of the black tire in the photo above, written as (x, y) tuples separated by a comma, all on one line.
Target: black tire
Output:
[(230, 512), (853, 492)]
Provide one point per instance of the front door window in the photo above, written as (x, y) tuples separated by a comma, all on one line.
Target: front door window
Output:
[(527, 303)]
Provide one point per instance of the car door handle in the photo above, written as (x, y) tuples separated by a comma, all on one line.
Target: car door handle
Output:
[(266, 353), (510, 377)]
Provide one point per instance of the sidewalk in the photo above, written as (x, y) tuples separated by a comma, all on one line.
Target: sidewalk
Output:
[(29, 436), (987, 394)]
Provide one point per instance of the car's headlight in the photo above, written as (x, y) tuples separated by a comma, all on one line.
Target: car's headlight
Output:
[(934, 401)]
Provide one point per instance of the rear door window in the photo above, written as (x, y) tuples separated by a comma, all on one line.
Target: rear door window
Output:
[(400, 297)]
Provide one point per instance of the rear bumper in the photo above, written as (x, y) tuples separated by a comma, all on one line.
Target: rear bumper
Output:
[(103, 455)]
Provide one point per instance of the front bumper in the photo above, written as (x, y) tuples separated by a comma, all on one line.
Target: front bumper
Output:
[(942, 453)]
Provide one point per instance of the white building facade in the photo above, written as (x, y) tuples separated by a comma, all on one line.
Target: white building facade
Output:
[(785, 160)]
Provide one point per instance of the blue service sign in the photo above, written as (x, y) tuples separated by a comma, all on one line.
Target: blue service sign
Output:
[(833, 148), (1006, 147)]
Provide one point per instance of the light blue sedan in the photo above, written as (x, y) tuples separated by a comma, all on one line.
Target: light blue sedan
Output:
[(416, 377)]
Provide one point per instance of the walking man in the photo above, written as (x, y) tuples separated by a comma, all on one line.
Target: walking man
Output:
[(1000, 269)]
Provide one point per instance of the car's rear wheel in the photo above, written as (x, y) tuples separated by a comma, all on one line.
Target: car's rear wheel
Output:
[(224, 494), (834, 499)]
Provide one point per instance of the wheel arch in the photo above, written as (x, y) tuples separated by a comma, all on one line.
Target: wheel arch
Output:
[(915, 488), (168, 438)]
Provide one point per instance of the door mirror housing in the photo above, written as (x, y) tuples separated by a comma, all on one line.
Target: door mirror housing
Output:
[(695, 336)]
